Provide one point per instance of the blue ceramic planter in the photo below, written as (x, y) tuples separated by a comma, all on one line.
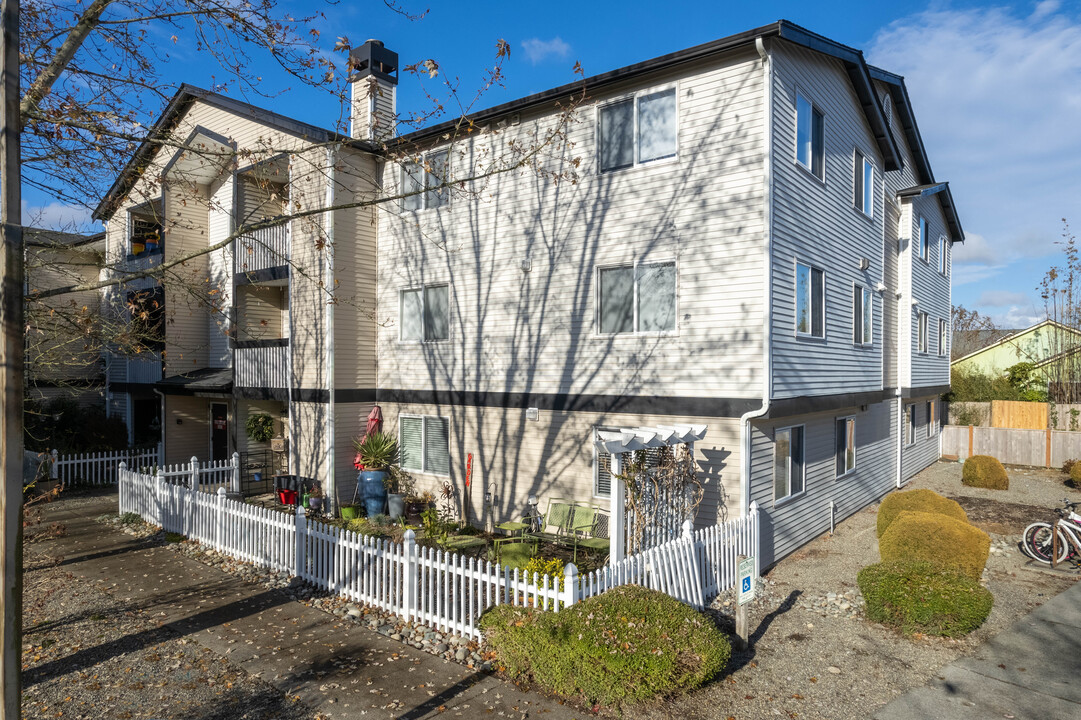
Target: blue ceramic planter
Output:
[(375, 493)]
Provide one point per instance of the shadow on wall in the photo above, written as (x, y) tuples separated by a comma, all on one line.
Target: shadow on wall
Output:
[(528, 337)]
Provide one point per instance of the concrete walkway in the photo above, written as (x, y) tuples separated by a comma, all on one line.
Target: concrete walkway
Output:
[(336, 668), (1031, 670)]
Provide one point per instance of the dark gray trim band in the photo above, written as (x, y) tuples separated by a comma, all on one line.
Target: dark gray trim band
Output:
[(915, 392), (248, 393), (786, 407), (251, 277), (565, 402)]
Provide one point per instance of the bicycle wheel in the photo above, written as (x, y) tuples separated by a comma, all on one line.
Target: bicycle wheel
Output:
[(1038, 545)]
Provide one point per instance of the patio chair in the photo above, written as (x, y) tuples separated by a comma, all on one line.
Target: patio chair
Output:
[(556, 524), (591, 531)]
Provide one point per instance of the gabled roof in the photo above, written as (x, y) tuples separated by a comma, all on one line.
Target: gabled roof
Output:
[(858, 72), (1013, 337), (903, 112), (175, 110), (38, 237)]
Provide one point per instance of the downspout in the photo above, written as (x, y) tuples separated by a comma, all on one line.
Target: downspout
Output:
[(767, 286), (898, 298), (329, 492)]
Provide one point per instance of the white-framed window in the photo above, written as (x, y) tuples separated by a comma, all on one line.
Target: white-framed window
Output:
[(810, 301), (426, 174), (922, 331), (910, 424), (943, 337), (145, 229), (943, 265), (931, 423), (863, 184), (424, 313), (637, 130), (862, 314), (639, 298), (922, 241), (788, 465), (424, 443), (845, 446), (810, 137)]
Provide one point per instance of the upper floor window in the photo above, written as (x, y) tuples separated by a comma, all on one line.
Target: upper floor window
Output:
[(144, 229), (863, 184), (810, 301), (862, 306), (923, 242), (943, 337), (638, 130), (638, 298), (845, 459), (788, 462), (922, 338), (424, 313), (810, 137), (421, 181), (424, 443), (943, 265)]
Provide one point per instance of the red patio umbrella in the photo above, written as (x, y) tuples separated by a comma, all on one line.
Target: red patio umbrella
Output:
[(375, 424)]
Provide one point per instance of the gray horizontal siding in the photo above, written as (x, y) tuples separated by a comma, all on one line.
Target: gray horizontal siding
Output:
[(816, 222), (932, 290), (926, 450), (791, 523)]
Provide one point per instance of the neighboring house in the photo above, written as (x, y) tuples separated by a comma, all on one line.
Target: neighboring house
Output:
[(1040, 345), (754, 242), (63, 347)]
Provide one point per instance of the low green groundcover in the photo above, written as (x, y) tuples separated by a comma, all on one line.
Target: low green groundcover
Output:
[(921, 597), (625, 646)]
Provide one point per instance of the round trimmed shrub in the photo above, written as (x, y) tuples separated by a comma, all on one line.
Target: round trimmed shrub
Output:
[(937, 539), (1075, 475), (625, 646), (984, 471), (921, 597), (919, 501)]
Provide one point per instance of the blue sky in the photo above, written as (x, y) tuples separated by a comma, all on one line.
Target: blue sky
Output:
[(996, 90)]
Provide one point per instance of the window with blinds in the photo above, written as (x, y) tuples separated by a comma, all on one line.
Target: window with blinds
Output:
[(602, 471), (424, 444)]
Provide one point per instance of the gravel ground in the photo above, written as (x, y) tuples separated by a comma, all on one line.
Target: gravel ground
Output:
[(815, 656), (89, 654)]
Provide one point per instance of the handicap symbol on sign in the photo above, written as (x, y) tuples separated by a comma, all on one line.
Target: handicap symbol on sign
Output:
[(746, 584)]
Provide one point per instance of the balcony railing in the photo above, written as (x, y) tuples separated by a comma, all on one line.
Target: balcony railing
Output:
[(144, 368), (262, 249), (262, 364)]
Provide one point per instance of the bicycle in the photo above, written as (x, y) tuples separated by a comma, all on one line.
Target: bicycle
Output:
[(1038, 540)]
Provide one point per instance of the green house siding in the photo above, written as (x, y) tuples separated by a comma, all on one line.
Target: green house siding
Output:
[(1034, 345)]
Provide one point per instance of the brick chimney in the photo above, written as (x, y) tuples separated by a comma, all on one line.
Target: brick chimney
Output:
[(374, 81)]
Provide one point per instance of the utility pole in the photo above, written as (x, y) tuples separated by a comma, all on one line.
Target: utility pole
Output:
[(11, 367)]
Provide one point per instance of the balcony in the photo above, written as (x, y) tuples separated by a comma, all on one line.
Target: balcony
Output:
[(262, 249), (262, 364), (145, 368)]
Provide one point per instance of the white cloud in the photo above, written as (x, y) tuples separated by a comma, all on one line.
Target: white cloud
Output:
[(537, 50), (58, 216), (1017, 317), (998, 99)]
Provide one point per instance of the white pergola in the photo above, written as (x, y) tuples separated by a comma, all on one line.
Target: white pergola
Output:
[(617, 442)]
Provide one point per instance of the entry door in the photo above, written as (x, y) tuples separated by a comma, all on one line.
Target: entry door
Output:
[(219, 431)]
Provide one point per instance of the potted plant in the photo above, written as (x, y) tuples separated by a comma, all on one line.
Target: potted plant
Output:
[(349, 512), (315, 497), (416, 504), (400, 485), (377, 452)]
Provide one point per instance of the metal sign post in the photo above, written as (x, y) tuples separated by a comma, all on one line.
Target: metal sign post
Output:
[(745, 588)]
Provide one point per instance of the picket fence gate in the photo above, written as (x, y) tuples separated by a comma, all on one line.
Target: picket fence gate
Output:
[(97, 468), (444, 590)]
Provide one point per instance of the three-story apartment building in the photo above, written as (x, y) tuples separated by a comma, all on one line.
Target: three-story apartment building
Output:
[(745, 234)]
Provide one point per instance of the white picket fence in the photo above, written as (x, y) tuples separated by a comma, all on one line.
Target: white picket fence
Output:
[(207, 476), (441, 589), (98, 468)]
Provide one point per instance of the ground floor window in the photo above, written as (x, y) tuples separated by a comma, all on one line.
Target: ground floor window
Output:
[(788, 469), (910, 424), (602, 466), (846, 445), (423, 442), (931, 424)]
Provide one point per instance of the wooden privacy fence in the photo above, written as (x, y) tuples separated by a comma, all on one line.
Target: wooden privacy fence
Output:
[(97, 468), (442, 589), (1036, 448), (1019, 415)]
